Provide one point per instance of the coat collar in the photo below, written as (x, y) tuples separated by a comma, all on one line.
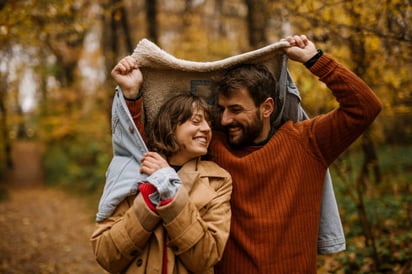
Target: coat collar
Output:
[(196, 180)]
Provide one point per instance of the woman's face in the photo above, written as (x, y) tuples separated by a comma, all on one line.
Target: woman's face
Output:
[(193, 136)]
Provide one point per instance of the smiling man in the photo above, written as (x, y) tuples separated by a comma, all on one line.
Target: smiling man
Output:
[(242, 117), (278, 172)]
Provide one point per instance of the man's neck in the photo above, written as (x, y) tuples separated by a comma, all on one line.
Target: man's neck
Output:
[(270, 134)]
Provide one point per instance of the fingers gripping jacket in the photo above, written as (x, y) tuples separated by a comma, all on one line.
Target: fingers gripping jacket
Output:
[(167, 183)]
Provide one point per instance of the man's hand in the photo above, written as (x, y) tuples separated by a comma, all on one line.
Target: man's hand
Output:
[(301, 49), (128, 76)]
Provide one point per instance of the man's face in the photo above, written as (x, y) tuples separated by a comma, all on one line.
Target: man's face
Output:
[(240, 118)]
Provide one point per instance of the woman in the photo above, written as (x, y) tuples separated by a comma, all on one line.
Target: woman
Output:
[(179, 221)]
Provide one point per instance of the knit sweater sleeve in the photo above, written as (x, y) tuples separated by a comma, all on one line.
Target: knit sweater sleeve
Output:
[(136, 110), (358, 107)]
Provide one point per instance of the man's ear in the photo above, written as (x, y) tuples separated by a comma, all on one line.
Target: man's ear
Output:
[(267, 107)]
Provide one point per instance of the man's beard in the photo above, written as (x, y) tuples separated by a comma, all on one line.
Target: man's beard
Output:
[(248, 133)]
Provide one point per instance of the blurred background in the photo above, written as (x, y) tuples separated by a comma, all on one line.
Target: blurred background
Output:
[(56, 94)]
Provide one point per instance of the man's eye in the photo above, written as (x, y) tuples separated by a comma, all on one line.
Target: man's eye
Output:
[(236, 110)]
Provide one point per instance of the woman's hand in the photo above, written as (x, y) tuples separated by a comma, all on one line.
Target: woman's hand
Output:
[(128, 76), (151, 162)]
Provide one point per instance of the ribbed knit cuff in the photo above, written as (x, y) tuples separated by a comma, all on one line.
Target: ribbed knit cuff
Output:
[(146, 189), (165, 202), (136, 111), (324, 65), (135, 107)]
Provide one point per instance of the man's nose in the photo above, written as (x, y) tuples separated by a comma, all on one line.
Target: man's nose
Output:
[(226, 118)]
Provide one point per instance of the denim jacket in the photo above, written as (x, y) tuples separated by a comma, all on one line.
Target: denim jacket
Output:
[(122, 175), (129, 147)]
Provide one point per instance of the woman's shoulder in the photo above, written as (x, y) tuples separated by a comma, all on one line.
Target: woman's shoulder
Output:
[(211, 169)]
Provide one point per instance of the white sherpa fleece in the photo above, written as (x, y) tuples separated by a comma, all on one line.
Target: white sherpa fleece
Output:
[(165, 75)]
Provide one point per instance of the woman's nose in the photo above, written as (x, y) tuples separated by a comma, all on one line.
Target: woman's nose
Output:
[(205, 126)]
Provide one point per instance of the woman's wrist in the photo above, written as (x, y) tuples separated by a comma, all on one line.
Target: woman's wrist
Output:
[(132, 95)]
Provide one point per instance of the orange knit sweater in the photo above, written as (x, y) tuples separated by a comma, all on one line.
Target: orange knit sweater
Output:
[(277, 188)]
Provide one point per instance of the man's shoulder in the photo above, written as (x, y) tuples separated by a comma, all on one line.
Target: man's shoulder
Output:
[(291, 128)]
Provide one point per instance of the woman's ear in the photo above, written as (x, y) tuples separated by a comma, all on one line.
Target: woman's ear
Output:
[(267, 107)]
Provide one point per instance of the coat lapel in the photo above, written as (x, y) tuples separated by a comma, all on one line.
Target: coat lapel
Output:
[(196, 182)]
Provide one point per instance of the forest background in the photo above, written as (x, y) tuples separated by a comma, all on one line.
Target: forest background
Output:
[(55, 88)]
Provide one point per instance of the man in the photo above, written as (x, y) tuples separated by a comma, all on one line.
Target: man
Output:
[(278, 173)]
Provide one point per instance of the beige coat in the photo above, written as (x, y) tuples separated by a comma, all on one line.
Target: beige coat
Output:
[(196, 222)]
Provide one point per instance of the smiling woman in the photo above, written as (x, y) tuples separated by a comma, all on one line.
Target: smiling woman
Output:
[(182, 208), (181, 130)]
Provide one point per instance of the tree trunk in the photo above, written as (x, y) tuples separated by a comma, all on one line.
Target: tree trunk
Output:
[(6, 143), (118, 37), (257, 20), (151, 18), (4, 138), (370, 160)]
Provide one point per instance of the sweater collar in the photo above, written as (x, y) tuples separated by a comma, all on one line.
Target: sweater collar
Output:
[(264, 142)]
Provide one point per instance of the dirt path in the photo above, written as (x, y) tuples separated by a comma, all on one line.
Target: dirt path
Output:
[(42, 230)]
